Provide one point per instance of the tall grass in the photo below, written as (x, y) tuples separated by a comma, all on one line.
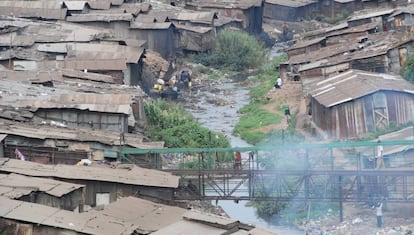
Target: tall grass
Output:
[(171, 123)]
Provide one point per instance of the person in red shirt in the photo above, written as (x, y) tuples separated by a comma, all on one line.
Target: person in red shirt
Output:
[(237, 161)]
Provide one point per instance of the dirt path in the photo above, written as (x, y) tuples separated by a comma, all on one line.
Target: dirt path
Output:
[(290, 95)]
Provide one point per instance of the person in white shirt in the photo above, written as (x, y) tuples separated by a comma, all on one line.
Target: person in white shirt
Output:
[(278, 83), (379, 215), (379, 157)]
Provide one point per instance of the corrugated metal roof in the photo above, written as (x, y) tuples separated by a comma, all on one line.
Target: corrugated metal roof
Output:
[(188, 227), (100, 4), (217, 221), (197, 29), (195, 17), (146, 215), (110, 138), (14, 193), (354, 84), (33, 9), (34, 76), (96, 65), (366, 15), (75, 5), (240, 4), (322, 53), (49, 186), (133, 176), (106, 103), (291, 3), (88, 223), (94, 51), (12, 39), (99, 17), (158, 25), (403, 134), (70, 73), (405, 9), (306, 43)]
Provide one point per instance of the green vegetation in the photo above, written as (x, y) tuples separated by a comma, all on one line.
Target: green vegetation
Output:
[(169, 122), (407, 70), (235, 51), (253, 115)]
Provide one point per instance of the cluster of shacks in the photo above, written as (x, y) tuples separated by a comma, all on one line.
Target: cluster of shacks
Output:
[(69, 75), (70, 94), (351, 74)]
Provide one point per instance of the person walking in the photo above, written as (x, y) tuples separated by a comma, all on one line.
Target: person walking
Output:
[(287, 115), (379, 214)]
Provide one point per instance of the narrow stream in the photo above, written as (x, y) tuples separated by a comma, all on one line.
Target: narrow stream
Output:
[(223, 118)]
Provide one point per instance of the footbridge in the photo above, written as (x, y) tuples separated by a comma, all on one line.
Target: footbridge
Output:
[(334, 172)]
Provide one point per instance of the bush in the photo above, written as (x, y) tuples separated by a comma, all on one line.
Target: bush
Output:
[(169, 122), (235, 51), (407, 70)]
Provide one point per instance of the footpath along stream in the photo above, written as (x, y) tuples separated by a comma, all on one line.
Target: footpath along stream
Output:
[(215, 107)]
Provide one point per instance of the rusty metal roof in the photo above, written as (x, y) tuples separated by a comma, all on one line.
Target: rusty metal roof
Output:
[(48, 131), (188, 227), (228, 4), (42, 32), (147, 216), (92, 222), (70, 73), (403, 10), (291, 3), (366, 14), (195, 17), (49, 186), (306, 43), (354, 84), (133, 176), (33, 9), (197, 29), (323, 53), (157, 25), (34, 76), (95, 17)]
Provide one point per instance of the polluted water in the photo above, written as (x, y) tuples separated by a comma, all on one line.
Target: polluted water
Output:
[(222, 116)]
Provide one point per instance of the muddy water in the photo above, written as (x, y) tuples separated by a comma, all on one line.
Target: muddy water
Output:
[(216, 108)]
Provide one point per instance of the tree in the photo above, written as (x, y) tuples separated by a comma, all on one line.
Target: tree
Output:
[(235, 50)]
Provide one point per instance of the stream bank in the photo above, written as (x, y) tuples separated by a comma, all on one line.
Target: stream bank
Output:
[(215, 106)]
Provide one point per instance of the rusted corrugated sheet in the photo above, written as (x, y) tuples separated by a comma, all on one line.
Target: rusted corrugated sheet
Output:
[(371, 14), (161, 25), (70, 73), (290, 3), (147, 216), (354, 84), (86, 223), (33, 9), (93, 17), (133, 176), (49, 186), (236, 4)]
